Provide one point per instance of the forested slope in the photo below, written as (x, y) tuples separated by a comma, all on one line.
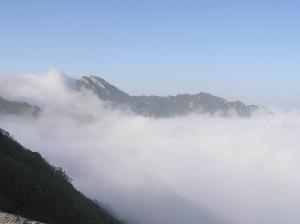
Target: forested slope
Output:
[(31, 187)]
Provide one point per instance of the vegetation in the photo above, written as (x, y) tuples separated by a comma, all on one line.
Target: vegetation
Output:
[(31, 187)]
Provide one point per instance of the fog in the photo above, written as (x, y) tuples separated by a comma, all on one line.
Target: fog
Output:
[(192, 169)]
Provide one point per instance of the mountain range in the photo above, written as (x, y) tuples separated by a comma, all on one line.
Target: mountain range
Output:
[(150, 106), (165, 106)]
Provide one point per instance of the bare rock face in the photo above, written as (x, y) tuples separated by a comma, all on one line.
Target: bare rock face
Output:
[(6, 218)]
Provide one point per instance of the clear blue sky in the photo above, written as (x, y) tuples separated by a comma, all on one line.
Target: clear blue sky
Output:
[(235, 49)]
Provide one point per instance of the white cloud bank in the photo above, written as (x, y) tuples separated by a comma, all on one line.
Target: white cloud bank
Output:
[(189, 169)]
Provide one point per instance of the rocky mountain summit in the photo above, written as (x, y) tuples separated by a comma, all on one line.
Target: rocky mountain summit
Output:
[(165, 106), (6, 218)]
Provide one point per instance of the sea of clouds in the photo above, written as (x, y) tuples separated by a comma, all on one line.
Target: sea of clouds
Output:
[(192, 169)]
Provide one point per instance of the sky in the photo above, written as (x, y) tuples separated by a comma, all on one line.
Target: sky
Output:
[(247, 50)]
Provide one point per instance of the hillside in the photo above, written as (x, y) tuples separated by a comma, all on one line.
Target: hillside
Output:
[(32, 188)]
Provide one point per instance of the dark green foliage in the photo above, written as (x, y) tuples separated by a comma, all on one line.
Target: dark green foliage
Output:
[(32, 188)]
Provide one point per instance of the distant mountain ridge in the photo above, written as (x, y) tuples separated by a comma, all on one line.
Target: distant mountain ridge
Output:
[(8, 107), (169, 106), (150, 106)]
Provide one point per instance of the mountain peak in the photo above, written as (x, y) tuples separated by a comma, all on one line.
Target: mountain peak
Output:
[(101, 88), (95, 80)]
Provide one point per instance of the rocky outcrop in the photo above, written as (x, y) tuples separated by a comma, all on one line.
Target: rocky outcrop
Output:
[(6, 218)]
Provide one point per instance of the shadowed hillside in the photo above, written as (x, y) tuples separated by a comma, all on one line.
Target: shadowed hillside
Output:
[(32, 188)]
